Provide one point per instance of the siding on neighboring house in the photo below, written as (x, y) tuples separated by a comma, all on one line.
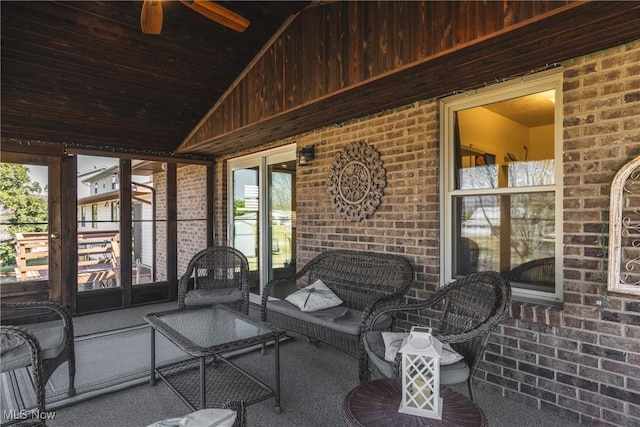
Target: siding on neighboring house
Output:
[(103, 220), (573, 361), (146, 255)]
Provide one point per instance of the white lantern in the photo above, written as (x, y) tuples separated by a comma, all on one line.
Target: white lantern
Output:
[(421, 354)]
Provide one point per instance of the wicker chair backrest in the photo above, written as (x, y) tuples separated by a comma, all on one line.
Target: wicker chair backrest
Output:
[(540, 271), (218, 268), (358, 277), (476, 302)]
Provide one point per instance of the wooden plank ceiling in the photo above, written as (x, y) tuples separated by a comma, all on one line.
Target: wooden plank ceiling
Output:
[(82, 73), (361, 58)]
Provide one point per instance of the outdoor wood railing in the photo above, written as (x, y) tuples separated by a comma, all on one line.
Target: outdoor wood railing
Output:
[(98, 255)]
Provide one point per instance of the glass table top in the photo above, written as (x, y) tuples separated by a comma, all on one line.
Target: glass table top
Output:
[(207, 327)]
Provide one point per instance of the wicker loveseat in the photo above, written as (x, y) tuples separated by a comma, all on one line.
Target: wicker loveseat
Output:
[(360, 279)]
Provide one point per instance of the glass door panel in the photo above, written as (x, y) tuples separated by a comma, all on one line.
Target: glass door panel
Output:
[(146, 213), (282, 260), (262, 218), (24, 219), (245, 219), (98, 219)]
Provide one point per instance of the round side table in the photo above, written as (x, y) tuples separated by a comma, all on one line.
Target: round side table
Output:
[(375, 404)]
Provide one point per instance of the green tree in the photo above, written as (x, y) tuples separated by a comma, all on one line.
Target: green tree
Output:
[(22, 208)]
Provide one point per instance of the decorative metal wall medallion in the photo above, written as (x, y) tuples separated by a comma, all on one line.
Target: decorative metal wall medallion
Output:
[(356, 181), (624, 230)]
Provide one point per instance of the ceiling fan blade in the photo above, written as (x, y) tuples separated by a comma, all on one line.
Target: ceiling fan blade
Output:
[(151, 17), (219, 14)]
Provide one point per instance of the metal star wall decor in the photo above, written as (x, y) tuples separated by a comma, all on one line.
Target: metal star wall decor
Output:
[(356, 181)]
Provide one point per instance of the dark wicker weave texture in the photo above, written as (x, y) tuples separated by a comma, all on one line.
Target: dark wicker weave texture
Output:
[(223, 383), (360, 279), (376, 404), (238, 406), (42, 367), (218, 267), (469, 309), (539, 271)]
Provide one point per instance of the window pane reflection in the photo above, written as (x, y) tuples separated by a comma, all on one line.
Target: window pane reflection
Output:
[(513, 234)]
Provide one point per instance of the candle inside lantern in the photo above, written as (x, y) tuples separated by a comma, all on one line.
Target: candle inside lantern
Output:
[(420, 391)]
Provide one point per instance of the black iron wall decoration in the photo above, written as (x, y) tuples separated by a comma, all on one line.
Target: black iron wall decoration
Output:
[(356, 181)]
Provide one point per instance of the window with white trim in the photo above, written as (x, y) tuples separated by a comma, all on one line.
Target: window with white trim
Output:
[(501, 191)]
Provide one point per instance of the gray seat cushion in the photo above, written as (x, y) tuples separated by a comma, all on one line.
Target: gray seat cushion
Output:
[(338, 318), (455, 373), (52, 339), (212, 296)]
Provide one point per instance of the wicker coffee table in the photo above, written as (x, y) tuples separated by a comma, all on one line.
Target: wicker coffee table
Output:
[(375, 404), (208, 379)]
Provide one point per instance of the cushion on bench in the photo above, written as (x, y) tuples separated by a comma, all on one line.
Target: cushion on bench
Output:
[(212, 296), (338, 318), (374, 345)]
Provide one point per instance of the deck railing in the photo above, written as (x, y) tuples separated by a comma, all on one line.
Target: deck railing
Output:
[(98, 255)]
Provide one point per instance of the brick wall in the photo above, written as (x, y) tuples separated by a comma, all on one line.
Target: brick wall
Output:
[(573, 361), (407, 220), (191, 211), (160, 185)]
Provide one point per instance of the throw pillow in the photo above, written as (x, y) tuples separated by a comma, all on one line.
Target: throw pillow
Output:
[(316, 296), (393, 341), (449, 355)]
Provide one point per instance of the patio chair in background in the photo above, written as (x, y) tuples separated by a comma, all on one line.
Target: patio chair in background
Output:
[(540, 272), (218, 275), (469, 309), (468, 253), (44, 344)]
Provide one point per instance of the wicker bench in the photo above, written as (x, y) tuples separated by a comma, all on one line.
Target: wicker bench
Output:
[(359, 279)]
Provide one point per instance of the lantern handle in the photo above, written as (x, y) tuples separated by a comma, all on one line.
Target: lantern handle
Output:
[(421, 329), (420, 338)]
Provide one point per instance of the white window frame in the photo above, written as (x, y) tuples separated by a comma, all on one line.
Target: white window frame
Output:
[(261, 159), (539, 82)]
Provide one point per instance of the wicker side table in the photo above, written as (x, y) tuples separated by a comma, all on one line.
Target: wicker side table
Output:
[(375, 404)]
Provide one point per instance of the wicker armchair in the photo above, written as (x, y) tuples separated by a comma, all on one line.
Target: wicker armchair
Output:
[(44, 345), (360, 279), (470, 308), (220, 275)]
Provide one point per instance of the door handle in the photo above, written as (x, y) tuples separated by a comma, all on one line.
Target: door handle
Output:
[(54, 236)]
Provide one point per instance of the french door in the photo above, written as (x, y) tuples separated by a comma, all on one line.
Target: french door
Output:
[(95, 232), (31, 227), (261, 216), (120, 222)]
